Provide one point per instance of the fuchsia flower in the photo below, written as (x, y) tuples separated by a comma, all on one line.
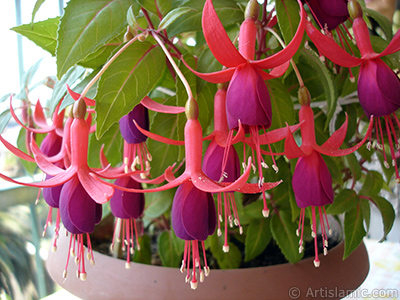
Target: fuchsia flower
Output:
[(136, 151), (378, 86), (248, 103), (193, 220), (81, 187), (328, 14), (312, 182), (127, 207), (221, 163)]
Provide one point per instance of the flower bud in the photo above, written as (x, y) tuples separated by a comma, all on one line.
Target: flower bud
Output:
[(191, 109), (304, 96), (355, 9), (252, 10), (128, 34), (79, 109)]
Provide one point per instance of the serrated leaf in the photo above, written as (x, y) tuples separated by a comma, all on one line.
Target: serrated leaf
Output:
[(130, 17), (155, 6), (258, 236), (373, 184), (387, 212), (288, 16), (158, 203), (166, 249), (354, 165), (284, 233), (113, 147), (382, 21), (354, 230), (124, 84), (60, 88), (43, 33), (38, 4), (143, 255), (85, 27), (344, 201), (326, 81), (172, 16), (282, 108), (228, 12), (163, 155)]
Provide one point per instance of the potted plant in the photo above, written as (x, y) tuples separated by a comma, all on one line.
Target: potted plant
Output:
[(221, 127)]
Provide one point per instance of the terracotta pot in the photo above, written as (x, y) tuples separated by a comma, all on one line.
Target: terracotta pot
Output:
[(109, 279)]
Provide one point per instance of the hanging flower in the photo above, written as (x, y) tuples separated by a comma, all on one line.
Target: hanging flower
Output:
[(127, 207), (328, 14), (378, 86), (312, 182), (137, 153), (193, 220)]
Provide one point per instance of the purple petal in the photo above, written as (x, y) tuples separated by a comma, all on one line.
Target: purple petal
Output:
[(328, 13), (212, 162), (52, 194), (247, 99), (127, 205), (128, 129), (193, 213), (51, 144), (378, 88), (176, 211), (312, 181), (78, 210)]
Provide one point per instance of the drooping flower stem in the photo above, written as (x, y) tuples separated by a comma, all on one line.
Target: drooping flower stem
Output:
[(174, 65), (294, 66), (105, 67)]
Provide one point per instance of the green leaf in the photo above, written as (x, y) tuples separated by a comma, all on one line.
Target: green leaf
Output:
[(167, 251), (288, 16), (172, 16), (382, 21), (43, 33), (5, 117), (282, 108), (254, 209), (26, 80), (326, 81), (284, 233), (366, 212), (60, 88), (158, 203), (344, 201), (38, 4), (143, 255), (124, 84), (373, 184), (155, 6), (228, 12), (354, 165), (30, 167), (130, 17), (354, 230), (226, 260), (85, 27), (163, 155), (113, 147), (387, 212), (258, 236)]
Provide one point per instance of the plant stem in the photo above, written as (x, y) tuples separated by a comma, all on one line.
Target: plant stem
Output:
[(174, 65), (105, 67), (296, 70)]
